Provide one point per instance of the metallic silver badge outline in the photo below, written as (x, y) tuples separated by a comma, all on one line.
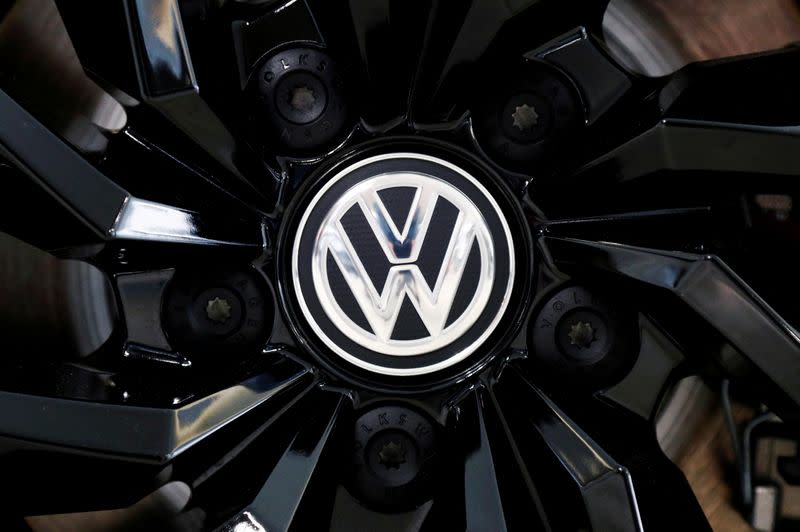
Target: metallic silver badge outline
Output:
[(381, 308), (401, 246)]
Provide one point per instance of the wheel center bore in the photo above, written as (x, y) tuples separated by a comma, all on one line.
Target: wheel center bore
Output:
[(402, 263)]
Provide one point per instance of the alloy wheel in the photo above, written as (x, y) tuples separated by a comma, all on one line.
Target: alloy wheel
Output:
[(398, 265)]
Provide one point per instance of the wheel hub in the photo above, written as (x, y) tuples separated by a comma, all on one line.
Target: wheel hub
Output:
[(403, 263)]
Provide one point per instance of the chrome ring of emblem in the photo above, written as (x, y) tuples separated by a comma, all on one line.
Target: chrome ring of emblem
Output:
[(402, 246)]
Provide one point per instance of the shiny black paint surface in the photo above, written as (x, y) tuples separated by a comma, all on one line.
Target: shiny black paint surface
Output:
[(266, 437)]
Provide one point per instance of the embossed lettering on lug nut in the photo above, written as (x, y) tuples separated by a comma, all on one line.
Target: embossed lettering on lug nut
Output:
[(403, 264)]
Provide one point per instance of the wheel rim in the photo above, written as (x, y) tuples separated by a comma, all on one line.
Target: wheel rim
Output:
[(213, 378)]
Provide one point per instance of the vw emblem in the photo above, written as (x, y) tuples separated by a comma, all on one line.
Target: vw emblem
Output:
[(403, 264)]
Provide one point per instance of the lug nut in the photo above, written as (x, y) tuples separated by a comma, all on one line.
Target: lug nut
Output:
[(216, 312), (393, 457), (528, 118), (302, 100), (579, 333)]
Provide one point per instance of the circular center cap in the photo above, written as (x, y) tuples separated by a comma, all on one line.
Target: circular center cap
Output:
[(403, 264)]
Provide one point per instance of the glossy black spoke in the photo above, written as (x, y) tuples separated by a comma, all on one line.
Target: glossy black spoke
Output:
[(734, 115), (137, 433), (465, 44), (483, 503), (710, 288), (276, 503), (89, 199), (682, 229), (218, 459), (600, 80), (700, 145), (642, 389), (390, 37), (140, 296), (542, 432), (141, 54), (126, 434)]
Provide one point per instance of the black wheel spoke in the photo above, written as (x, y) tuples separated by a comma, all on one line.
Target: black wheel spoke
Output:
[(642, 389), (141, 54), (125, 434), (698, 145), (379, 27), (458, 39), (105, 210), (602, 82), (275, 505), (604, 486), (684, 229), (200, 473), (712, 289), (733, 115), (137, 433), (140, 296), (483, 503)]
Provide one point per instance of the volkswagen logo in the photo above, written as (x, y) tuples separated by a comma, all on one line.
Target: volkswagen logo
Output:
[(403, 264)]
